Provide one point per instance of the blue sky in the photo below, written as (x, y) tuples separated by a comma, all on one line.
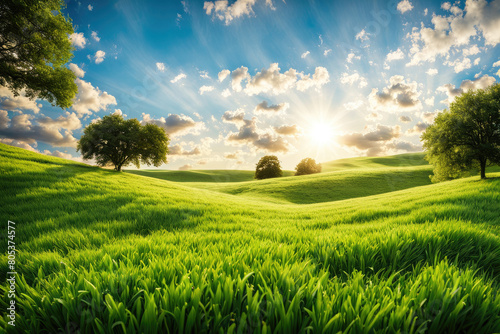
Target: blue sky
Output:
[(231, 81)]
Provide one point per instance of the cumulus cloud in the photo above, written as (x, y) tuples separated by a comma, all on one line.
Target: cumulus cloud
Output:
[(496, 64), (305, 54), (232, 156), (263, 107), (287, 130), (395, 55), (10, 102), (223, 75), (77, 70), (456, 30), (78, 40), (95, 37), (226, 92), (353, 105), (417, 129), (326, 52), (234, 117), (90, 99), (374, 141), (404, 6), (428, 116), (59, 154), (432, 71), (18, 143), (178, 77), (459, 65), (271, 80), (203, 89), (160, 67), (223, 11), (178, 150), (405, 119), (56, 132), (99, 56), (238, 76), (351, 79), (400, 95), (186, 167), (466, 85), (249, 135), (119, 112), (362, 36), (351, 56), (175, 125)]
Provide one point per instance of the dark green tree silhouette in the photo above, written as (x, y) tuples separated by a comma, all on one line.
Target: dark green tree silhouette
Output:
[(34, 48), (465, 137), (118, 142), (268, 167)]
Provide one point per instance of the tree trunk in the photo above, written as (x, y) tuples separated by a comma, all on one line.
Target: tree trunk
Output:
[(483, 169), (118, 168)]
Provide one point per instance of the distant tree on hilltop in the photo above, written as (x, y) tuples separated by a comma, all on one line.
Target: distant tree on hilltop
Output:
[(307, 166), (119, 142), (465, 137), (268, 167)]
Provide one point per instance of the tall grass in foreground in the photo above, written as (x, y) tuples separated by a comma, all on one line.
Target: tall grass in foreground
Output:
[(115, 253)]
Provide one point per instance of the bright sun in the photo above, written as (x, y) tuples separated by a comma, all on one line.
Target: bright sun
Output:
[(322, 134)]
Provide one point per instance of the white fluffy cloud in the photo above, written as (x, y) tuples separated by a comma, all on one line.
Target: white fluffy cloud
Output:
[(221, 9), (10, 102), (432, 71), (287, 130), (175, 125), (395, 55), (305, 54), (90, 99), (362, 36), (99, 56), (271, 80), (186, 167), (405, 119), (417, 129), (456, 30), (400, 95), (160, 67), (95, 37), (178, 77), (77, 70), (351, 79), (223, 75), (78, 40), (404, 6), (204, 89), (466, 85)]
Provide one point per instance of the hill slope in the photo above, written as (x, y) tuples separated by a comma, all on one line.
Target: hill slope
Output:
[(106, 251)]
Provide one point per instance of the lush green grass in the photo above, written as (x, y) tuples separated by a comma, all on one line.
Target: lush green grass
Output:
[(218, 176), (101, 251), (400, 160)]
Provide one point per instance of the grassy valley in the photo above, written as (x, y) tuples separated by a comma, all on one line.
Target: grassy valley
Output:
[(367, 246)]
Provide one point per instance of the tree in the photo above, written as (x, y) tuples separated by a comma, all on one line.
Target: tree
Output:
[(268, 167), (307, 166), (465, 137), (119, 142), (34, 47)]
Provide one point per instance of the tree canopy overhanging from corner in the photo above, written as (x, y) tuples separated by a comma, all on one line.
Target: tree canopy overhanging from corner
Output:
[(118, 142), (34, 49), (465, 137)]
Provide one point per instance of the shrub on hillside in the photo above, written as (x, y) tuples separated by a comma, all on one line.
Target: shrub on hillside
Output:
[(307, 166)]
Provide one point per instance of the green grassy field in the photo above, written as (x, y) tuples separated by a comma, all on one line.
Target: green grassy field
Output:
[(368, 247)]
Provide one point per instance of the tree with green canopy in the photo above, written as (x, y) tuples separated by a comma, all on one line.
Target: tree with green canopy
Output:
[(34, 49), (268, 167), (307, 166), (115, 141), (465, 137)]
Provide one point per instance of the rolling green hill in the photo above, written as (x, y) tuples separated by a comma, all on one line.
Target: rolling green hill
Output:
[(101, 251)]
